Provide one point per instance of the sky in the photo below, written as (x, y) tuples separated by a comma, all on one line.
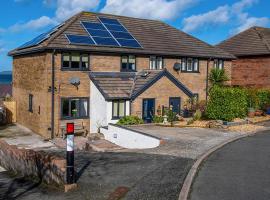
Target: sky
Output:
[(209, 20)]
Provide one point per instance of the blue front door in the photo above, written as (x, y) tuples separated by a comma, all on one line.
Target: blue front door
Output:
[(175, 102), (148, 110)]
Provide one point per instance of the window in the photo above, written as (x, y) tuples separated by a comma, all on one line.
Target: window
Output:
[(75, 61), (30, 103), (118, 109), (190, 65), (128, 63), (219, 64), (156, 62), (196, 97), (74, 108)]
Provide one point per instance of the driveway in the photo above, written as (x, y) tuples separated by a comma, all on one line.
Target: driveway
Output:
[(239, 170), (184, 142)]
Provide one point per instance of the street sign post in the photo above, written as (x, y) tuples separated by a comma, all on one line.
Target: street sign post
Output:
[(70, 153)]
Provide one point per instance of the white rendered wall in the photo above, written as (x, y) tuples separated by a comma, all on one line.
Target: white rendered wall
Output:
[(128, 138), (98, 109)]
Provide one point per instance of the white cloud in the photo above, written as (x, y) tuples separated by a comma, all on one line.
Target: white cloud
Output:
[(225, 14), (217, 16), (33, 24), (251, 21), (153, 9), (67, 8)]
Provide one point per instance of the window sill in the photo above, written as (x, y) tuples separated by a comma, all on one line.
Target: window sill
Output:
[(190, 72), (70, 69), (73, 118)]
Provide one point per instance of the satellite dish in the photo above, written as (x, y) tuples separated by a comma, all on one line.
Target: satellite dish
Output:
[(177, 66), (75, 81), (144, 73)]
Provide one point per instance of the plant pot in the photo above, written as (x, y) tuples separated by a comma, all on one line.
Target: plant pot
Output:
[(251, 114), (258, 113)]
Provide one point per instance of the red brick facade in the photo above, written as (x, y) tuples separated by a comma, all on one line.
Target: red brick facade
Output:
[(251, 72)]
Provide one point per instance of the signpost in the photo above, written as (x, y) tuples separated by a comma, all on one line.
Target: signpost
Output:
[(70, 153)]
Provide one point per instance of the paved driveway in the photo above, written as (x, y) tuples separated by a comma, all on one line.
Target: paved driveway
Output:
[(184, 142)]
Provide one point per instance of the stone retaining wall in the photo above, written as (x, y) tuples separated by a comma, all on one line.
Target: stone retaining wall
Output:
[(47, 168)]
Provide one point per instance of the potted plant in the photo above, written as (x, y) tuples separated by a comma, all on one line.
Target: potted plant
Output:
[(251, 112)]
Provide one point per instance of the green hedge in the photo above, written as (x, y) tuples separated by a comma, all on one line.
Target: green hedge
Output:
[(130, 120), (227, 103), (264, 98)]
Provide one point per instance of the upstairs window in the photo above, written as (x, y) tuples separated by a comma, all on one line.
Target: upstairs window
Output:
[(156, 62), (190, 65), (128, 63), (74, 108), (118, 109), (30, 103), (75, 61), (218, 64)]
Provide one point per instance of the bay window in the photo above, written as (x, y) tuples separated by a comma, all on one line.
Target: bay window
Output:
[(74, 108)]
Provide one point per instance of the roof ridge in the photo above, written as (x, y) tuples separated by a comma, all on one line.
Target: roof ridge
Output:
[(261, 35), (70, 21)]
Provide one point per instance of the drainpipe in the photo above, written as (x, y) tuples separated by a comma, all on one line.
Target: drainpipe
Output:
[(207, 78), (52, 90)]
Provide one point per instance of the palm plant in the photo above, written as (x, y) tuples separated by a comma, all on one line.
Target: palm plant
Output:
[(218, 76)]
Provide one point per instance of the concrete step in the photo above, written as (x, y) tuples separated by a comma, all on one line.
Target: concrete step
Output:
[(102, 146)]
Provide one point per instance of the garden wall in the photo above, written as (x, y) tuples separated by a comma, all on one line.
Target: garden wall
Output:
[(47, 168)]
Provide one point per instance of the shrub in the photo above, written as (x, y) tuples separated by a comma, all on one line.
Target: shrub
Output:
[(227, 103), (264, 98), (197, 115), (172, 116), (158, 119), (130, 120)]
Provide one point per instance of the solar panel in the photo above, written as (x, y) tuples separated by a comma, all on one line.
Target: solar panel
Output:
[(109, 21), (80, 39), (98, 33), (93, 25), (40, 37), (121, 35), (115, 28), (129, 43), (109, 41)]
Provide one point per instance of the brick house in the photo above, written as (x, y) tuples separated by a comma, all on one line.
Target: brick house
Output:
[(252, 49), (95, 68)]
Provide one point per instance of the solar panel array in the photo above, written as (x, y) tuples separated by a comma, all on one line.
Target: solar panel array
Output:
[(40, 38), (107, 33)]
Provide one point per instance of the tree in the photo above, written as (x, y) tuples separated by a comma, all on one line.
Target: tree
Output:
[(218, 77)]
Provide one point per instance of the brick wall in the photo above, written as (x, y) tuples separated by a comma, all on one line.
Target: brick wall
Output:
[(161, 91), (253, 71), (47, 168)]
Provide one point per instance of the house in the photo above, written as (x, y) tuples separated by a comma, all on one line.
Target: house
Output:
[(96, 68), (252, 49), (5, 91)]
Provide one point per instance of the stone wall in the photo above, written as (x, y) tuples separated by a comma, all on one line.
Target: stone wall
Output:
[(46, 168), (252, 72)]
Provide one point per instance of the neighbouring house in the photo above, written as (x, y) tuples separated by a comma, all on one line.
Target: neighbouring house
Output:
[(252, 49), (96, 68), (5, 91)]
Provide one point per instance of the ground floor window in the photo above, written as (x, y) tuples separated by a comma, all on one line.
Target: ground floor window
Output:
[(75, 108), (30, 103), (118, 109)]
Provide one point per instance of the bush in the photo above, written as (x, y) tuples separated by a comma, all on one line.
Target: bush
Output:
[(130, 120), (227, 103), (264, 98), (172, 116), (218, 76), (197, 115), (158, 119)]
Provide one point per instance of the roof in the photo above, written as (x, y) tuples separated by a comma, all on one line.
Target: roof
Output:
[(129, 85), (156, 37), (5, 89), (253, 41)]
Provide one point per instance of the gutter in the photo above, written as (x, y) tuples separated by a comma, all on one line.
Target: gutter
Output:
[(53, 94)]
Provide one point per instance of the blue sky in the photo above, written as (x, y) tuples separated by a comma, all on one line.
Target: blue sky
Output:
[(209, 20)]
